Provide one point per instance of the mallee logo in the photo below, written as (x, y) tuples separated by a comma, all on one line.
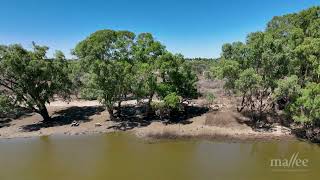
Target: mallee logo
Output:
[(293, 162)]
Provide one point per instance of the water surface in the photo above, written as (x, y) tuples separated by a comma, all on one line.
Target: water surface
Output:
[(122, 156)]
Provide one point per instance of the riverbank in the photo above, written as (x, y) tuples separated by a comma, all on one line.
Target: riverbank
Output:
[(90, 118), (198, 129)]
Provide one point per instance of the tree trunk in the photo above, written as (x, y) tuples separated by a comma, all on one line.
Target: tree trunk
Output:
[(119, 108), (44, 113), (110, 111), (261, 105), (242, 104), (149, 104)]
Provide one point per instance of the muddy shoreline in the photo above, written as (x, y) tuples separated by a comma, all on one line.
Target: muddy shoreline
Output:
[(153, 137), (156, 136)]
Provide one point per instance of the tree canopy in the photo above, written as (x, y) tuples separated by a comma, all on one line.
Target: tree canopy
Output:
[(279, 65), (29, 79), (121, 64)]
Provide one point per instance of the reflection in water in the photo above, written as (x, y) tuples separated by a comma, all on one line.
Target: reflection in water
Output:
[(121, 156)]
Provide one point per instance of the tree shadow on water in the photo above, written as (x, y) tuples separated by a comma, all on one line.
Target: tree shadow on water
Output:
[(65, 117)]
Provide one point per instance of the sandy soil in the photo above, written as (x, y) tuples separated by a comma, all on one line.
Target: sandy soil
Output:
[(199, 129), (225, 123), (87, 113), (93, 119)]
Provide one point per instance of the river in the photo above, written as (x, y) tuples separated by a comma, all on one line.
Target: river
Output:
[(123, 156)]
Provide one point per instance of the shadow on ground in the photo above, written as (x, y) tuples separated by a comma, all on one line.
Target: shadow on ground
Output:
[(311, 134), (65, 117), (129, 117), (5, 122), (133, 116), (264, 121), (15, 113)]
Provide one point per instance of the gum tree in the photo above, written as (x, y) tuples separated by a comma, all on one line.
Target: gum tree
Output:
[(106, 56), (285, 57), (146, 52), (32, 80)]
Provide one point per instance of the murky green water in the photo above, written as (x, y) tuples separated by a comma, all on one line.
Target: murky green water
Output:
[(121, 156)]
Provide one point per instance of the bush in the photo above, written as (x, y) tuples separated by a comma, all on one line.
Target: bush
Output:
[(307, 107), (5, 105), (172, 101), (88, 94), (287, 92), (249, 81), (210, 97)]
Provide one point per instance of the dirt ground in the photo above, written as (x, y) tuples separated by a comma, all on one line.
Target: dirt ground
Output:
[(87, 113), (224, 123)]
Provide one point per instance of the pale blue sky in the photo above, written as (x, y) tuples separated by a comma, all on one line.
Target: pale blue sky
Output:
[(195, 28)]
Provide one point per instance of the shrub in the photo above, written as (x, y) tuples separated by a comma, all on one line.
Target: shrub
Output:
[(210, 97), (307, 107)]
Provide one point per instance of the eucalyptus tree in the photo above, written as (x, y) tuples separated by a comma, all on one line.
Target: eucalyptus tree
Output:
[(287, 92), (306, 108), (249, 84), (146, 52), (30, 79), (106, 55), (176, 76), (280, 60), (5, 104), (176, 82), (308, 53)]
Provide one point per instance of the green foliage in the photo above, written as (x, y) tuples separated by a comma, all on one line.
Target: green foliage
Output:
[(307, 107), (276, 63), (117, 64), (309, 52), (78, 77), (105, 45), (5, 104), (88, 93), (106, 57), (144, 79), (235, 52), (210, 97), (105, 79), (146, 49), (202, 66), (172, 101), (251, 87), (249, 81), (177, 76), (286, 94), (228, 70), (288, 90), (163, 89), (31, 79)]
